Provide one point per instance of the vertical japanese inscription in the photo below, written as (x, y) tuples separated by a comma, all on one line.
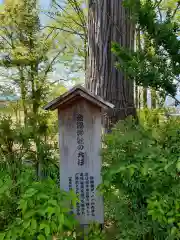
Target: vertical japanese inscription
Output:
[(92, 196), (82, 194), (85, 190), (70, 188), (87, 199), (77, 179), (80, 139), (70, 183)]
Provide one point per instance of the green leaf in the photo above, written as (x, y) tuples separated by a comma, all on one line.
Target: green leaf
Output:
[(42, 196), (144, 169), (29, 214), (26, 224), (178, 166), (50, 211), (53, 202), (131, 172), (68, 222), (47, 230), (171, 220), (171, 213), (33, 224), (30, 192), (2, 236), (41, 237), (43, 226), (173, 230), (53, 226), (23, 205), (177, 205)]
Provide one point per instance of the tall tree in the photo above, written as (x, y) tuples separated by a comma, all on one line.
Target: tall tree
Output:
[(69, 19), (109, 22), (27, 52), (159, 68)]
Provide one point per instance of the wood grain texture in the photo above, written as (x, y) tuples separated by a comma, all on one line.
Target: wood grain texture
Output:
[(91, 149), (109, 22)]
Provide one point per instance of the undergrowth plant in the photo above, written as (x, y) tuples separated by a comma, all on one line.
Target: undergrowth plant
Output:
[(141, 179), (43, 211), (31, 207)]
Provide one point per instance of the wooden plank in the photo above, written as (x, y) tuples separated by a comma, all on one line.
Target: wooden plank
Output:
[(80, 162)]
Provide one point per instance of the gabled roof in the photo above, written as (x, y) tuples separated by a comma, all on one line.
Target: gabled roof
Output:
[(77, 92)]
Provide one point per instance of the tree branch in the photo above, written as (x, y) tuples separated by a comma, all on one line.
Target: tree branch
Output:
[(157, 3), (53, 60), (64, 30), (80, 14), (57, 81), (77, 23), (7, 41), (176, 9), (160, 14)]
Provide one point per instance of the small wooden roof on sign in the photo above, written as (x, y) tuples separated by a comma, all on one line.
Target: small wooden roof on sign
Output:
[(76, 93)]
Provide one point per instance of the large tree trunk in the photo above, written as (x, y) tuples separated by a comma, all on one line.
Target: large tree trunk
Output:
[(108, 22)]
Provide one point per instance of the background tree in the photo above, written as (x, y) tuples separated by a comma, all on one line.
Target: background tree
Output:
[(28, 57), (69, 19), (28, 52), (158, 68)]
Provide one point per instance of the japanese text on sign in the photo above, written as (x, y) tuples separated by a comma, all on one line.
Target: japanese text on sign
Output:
[(85, 189), (80, 139)]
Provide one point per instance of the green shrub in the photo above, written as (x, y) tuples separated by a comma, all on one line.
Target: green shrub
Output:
[(31, 209), (10, 193), (43, 211), (7, 200), (141, 180)]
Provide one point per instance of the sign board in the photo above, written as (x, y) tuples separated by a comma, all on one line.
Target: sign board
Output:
[(79, 114)]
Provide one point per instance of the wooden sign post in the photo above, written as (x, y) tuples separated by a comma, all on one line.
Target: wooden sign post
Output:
[(79, 114)]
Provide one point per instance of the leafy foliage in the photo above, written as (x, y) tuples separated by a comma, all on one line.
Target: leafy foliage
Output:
[(43, 212), (141, 162), (29, 54), (21, 194), (141, 179), (69, 20), (33, 144), (159, 66)]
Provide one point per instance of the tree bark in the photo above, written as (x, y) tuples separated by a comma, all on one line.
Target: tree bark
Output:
[(145, 98), (23, 91), (136, 96), (109, 21), (153, 98)]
